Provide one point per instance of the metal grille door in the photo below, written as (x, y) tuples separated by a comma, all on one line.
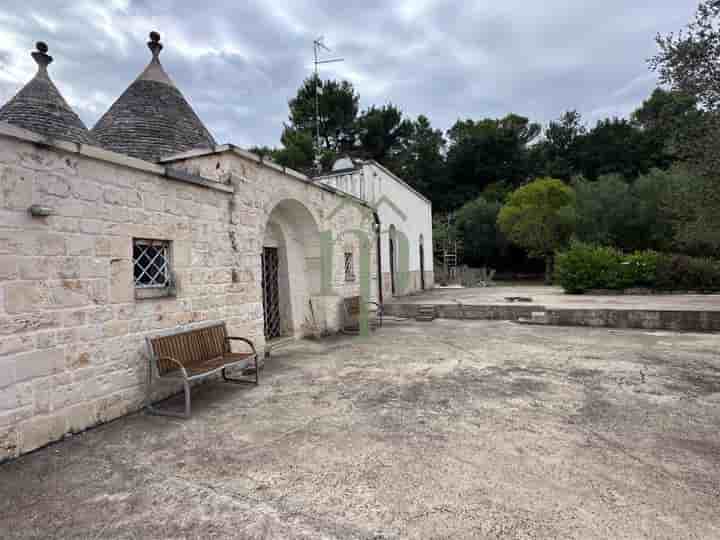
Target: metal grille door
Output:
[(271, 299)]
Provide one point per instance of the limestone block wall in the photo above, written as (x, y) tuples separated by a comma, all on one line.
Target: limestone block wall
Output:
[(262, 188), (72, 333)]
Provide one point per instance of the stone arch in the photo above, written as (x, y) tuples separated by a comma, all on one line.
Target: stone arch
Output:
[(293, 231)]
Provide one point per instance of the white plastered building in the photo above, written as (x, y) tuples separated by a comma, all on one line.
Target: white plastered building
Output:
[(405, 221)]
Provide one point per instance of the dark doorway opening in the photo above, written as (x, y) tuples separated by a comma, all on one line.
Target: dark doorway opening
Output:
[(392, 263), (422, 265), (271, 292)]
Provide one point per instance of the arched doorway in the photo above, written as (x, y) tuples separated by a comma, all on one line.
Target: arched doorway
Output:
[(291, 269), (422, 264)]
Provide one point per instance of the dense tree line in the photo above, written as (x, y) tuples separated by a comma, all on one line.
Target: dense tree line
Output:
[(647, 181)]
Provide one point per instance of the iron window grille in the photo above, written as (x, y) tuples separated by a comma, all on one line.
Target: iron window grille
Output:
[(151, 264), (349, 267)]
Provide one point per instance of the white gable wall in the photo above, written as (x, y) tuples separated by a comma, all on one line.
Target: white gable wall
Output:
[(398, 205)]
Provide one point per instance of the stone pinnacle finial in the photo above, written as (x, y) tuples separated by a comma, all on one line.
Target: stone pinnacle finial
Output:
[(154, 44), (41, 56)]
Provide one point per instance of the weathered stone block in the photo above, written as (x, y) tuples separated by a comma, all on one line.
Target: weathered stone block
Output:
[(41, 244), (41, 396), (8, 443), (16, 344), (8, 398), (15, 188), (26, 297), (116, 328), (54, 185), (115, 196), (66, 395), (103, 246), (91, 226), (80, 417), (45, 340), (121, 281), (28, 322), (80, 245), (64, 223), (40, 431), (86, 191), (39, 364), (8, 267), (34, 268), (11, 243), (121, 247), (153, 203)]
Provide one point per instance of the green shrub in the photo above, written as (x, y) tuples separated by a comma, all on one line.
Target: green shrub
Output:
[(680, 272), (585, 266), (640, 268)]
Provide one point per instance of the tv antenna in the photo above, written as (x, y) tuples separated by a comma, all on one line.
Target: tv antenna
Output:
[(318, 48)]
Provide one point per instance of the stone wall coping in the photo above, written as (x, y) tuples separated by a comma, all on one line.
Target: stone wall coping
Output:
[(100, 154), (245, 154)]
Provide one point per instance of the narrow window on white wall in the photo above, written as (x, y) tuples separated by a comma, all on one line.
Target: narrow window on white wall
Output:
[(349, 266), (152, 270)]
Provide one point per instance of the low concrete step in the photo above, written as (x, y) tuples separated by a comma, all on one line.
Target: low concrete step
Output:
[(426, 314)]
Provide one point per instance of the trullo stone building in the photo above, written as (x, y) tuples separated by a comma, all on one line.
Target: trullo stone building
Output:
[(143, 224)]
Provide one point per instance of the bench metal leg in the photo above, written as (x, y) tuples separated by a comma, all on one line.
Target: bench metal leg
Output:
[(165, 412), (244, 381)]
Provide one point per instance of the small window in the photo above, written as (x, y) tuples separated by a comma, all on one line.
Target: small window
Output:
[(349, 267), (151, 268)]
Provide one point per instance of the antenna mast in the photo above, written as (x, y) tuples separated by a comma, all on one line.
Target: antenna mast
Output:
[(318, 47)]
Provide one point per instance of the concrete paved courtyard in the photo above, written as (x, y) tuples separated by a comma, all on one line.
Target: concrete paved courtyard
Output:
[(555, 297), (450, 429)]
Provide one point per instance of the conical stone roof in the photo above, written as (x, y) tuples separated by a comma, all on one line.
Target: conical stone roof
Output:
[(152, 119), (39, 107)]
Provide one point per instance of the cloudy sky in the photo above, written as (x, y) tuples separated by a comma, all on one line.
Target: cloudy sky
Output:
[(239, 61)]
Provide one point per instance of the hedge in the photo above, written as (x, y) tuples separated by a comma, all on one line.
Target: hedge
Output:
[(584, 266)]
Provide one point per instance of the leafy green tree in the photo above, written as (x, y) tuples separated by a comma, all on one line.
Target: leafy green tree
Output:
[(688, 63), (614, 146), (420, 159), (540, 217), (604, 210), (666, 118), (381, 132), (558, 151), (483, 152), (338, 110), (476, 226), (338, 107), (693, 223), (298, 150)]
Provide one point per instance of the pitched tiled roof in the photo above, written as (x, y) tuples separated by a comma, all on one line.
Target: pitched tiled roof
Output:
[(40, 107), (152, 119)]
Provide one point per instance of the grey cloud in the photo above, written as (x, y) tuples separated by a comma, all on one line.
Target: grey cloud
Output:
[(240, 62)]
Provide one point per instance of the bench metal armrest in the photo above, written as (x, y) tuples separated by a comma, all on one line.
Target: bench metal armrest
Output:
[(180, 365), (233, 338)]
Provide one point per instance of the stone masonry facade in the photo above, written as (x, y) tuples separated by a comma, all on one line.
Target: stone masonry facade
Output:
[(72, 333)]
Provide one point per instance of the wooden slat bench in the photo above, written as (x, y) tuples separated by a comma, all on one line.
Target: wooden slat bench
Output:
[(351, 321), (192, 354)]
